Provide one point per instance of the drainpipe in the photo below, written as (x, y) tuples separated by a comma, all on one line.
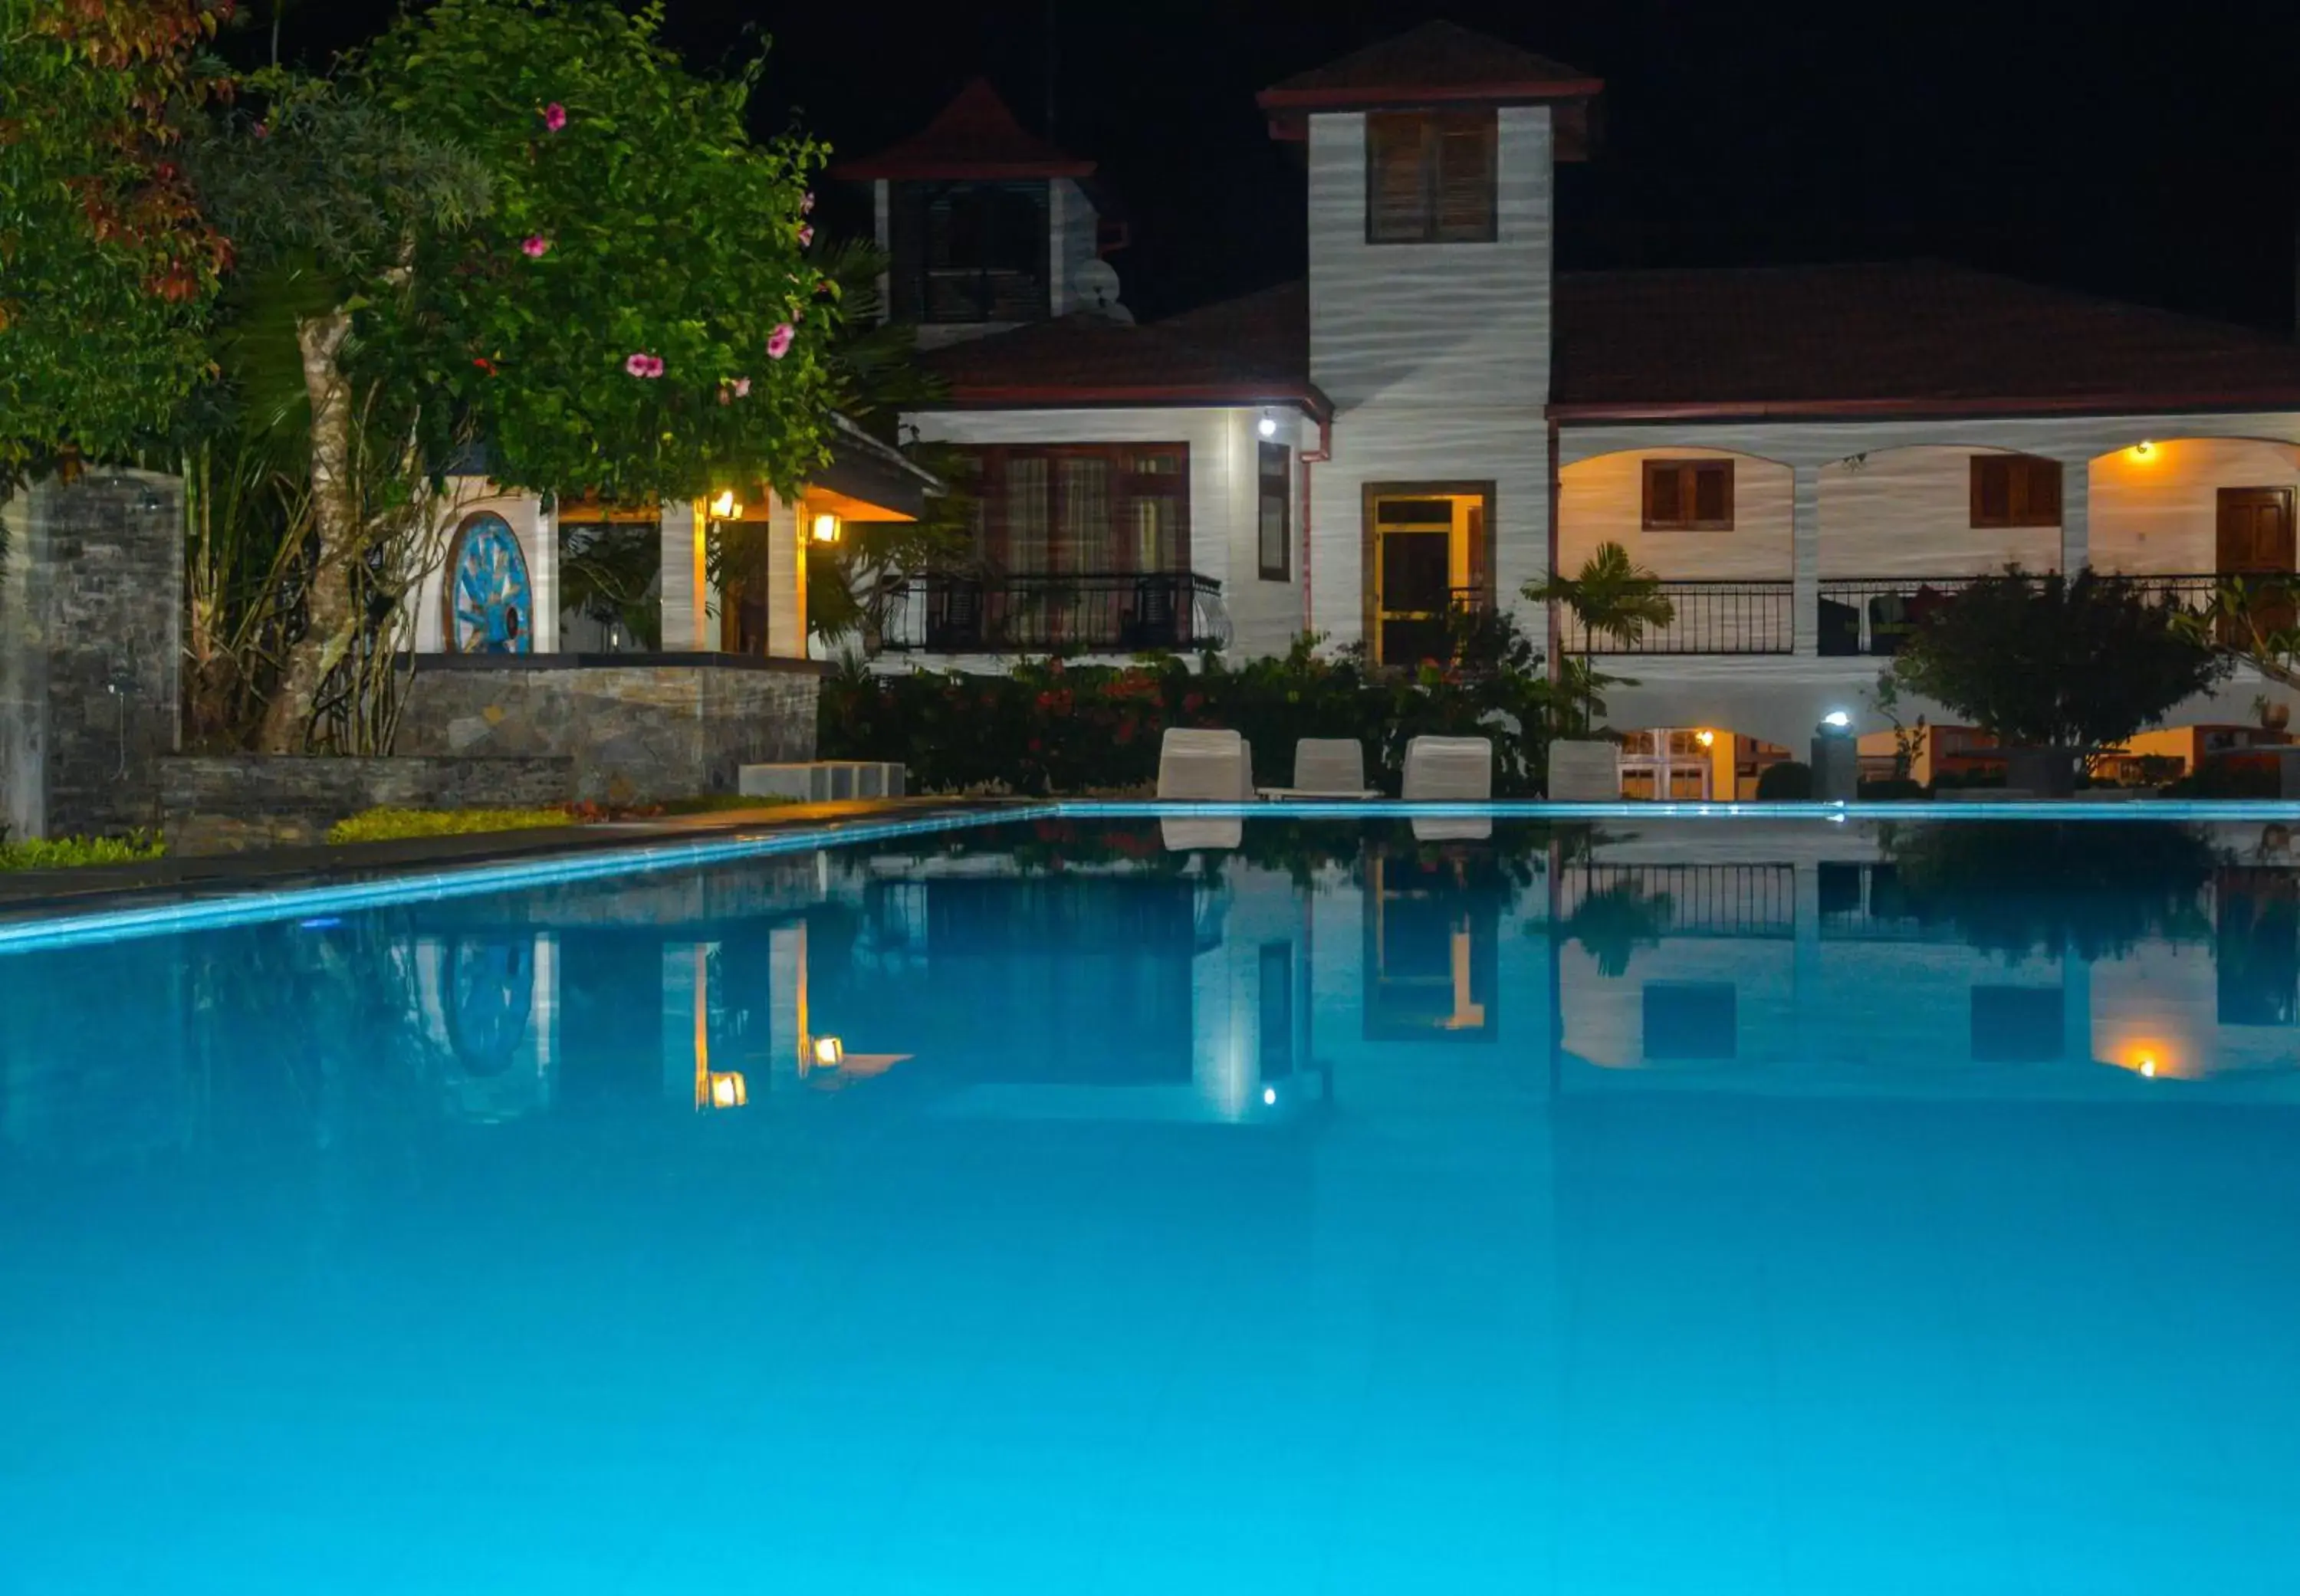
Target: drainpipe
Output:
[(1320, 455), (1555, 650)]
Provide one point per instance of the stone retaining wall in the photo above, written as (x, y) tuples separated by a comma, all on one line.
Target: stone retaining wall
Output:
[(639, 728), (224, 803), (90, 601)]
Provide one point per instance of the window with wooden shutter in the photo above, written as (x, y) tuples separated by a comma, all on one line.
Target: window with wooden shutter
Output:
[(1276, 542), (2015, 490), (1430, 176), (1688, 496)]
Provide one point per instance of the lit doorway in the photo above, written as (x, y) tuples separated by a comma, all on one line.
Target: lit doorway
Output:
[(1428, 549), (1674, 765)]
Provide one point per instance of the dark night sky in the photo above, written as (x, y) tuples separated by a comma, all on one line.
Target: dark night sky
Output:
[(2149, 153)]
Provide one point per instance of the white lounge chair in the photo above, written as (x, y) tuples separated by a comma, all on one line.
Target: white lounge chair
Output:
[(1204, 767), (1450, 771), (1327, 768)]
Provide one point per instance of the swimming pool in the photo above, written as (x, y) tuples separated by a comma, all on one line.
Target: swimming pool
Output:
[(1180, 1203)]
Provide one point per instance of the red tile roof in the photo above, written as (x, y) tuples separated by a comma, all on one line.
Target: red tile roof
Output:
[(1910, 338), (976, 137), (1820, 341), (1435, 62), (1249, 351)]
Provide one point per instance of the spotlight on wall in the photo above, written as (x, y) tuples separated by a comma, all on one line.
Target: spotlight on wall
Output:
[(1267, 426), (724, 506), (825, 529)]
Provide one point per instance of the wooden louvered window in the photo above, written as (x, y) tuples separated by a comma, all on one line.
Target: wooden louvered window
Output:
[(2015, 490), (1688, 496), (1430, 177)]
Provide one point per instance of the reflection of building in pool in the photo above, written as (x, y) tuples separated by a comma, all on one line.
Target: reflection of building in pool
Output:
[(1834, 967), (488, 1003)]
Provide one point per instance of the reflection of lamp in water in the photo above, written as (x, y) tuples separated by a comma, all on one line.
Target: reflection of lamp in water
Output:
[(2148, 1066), (826, 1053), (1268, 1096), (728, 1090)]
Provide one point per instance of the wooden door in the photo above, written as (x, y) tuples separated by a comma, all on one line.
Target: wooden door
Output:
[(2255, 530), (2256, 539)]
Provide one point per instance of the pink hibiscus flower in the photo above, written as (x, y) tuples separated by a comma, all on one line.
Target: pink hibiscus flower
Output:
[(778, 342), (805, 234), (535, 246), (806, 203), (742, 387), (554, 116), (643, 364)]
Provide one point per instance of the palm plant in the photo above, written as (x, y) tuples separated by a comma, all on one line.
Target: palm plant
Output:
[(1613, 598)]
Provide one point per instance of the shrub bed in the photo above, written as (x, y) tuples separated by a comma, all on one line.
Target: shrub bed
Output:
[(69, 853), (1056, 727)]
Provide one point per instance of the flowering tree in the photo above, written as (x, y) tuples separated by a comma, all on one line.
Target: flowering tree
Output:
[(107, 264), (636, 316)]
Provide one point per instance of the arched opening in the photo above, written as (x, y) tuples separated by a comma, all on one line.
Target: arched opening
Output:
[(2194, 508), (1716, 527)]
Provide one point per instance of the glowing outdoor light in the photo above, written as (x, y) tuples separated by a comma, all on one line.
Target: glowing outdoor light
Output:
[(1836, 719), (1707, 739), (2142, 449), (1268, 427), (724, 506), (829, 1052), (825, 529), (2148, 1066)]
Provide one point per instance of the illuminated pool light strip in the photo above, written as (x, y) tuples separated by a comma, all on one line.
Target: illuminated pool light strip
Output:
[(319, 903), (1535, 808)]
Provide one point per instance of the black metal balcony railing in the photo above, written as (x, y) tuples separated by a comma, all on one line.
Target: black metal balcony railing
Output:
[(1115, 612), (1741, 617), (1875, 615)]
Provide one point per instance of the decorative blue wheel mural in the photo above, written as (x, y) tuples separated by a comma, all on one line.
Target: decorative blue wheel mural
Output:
[(489, 611)]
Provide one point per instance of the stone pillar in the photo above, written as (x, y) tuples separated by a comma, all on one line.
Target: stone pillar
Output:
[(786, 579), (1804, 560), (2075, 515), (91, 644)]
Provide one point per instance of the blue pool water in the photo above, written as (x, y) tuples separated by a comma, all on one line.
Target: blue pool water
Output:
[(1099, 1208)]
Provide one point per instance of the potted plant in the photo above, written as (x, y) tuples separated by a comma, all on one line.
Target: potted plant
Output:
[(1616, 599)]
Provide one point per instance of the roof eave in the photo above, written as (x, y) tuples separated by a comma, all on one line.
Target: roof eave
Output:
[(946, 172), (1376, 96), (1887, 409), (1304, 397)]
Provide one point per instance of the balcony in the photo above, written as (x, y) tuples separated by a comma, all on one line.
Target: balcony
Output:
[(1738, 616), (1105, 613), (1857, 615)]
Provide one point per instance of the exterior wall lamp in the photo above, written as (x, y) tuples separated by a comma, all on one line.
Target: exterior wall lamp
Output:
[(825, 529)]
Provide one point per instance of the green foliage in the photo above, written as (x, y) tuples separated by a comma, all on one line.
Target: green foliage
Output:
[(68, 853), (1612, 923), (1788, 782), (1613, 598), (2017, 888), (2252, 620), (107, 264), (2052, 662), (387, 825), (1052, 727), (665, 235)]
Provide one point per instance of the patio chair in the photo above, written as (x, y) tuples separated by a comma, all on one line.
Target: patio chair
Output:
[(1204, 767), (1450, 771), (1327, 768)]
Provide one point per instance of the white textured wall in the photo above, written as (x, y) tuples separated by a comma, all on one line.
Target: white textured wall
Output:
[(1071, 235), (687, 623), (2160, 512), (1603, 500), (1908, 512), (1437, 358)]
